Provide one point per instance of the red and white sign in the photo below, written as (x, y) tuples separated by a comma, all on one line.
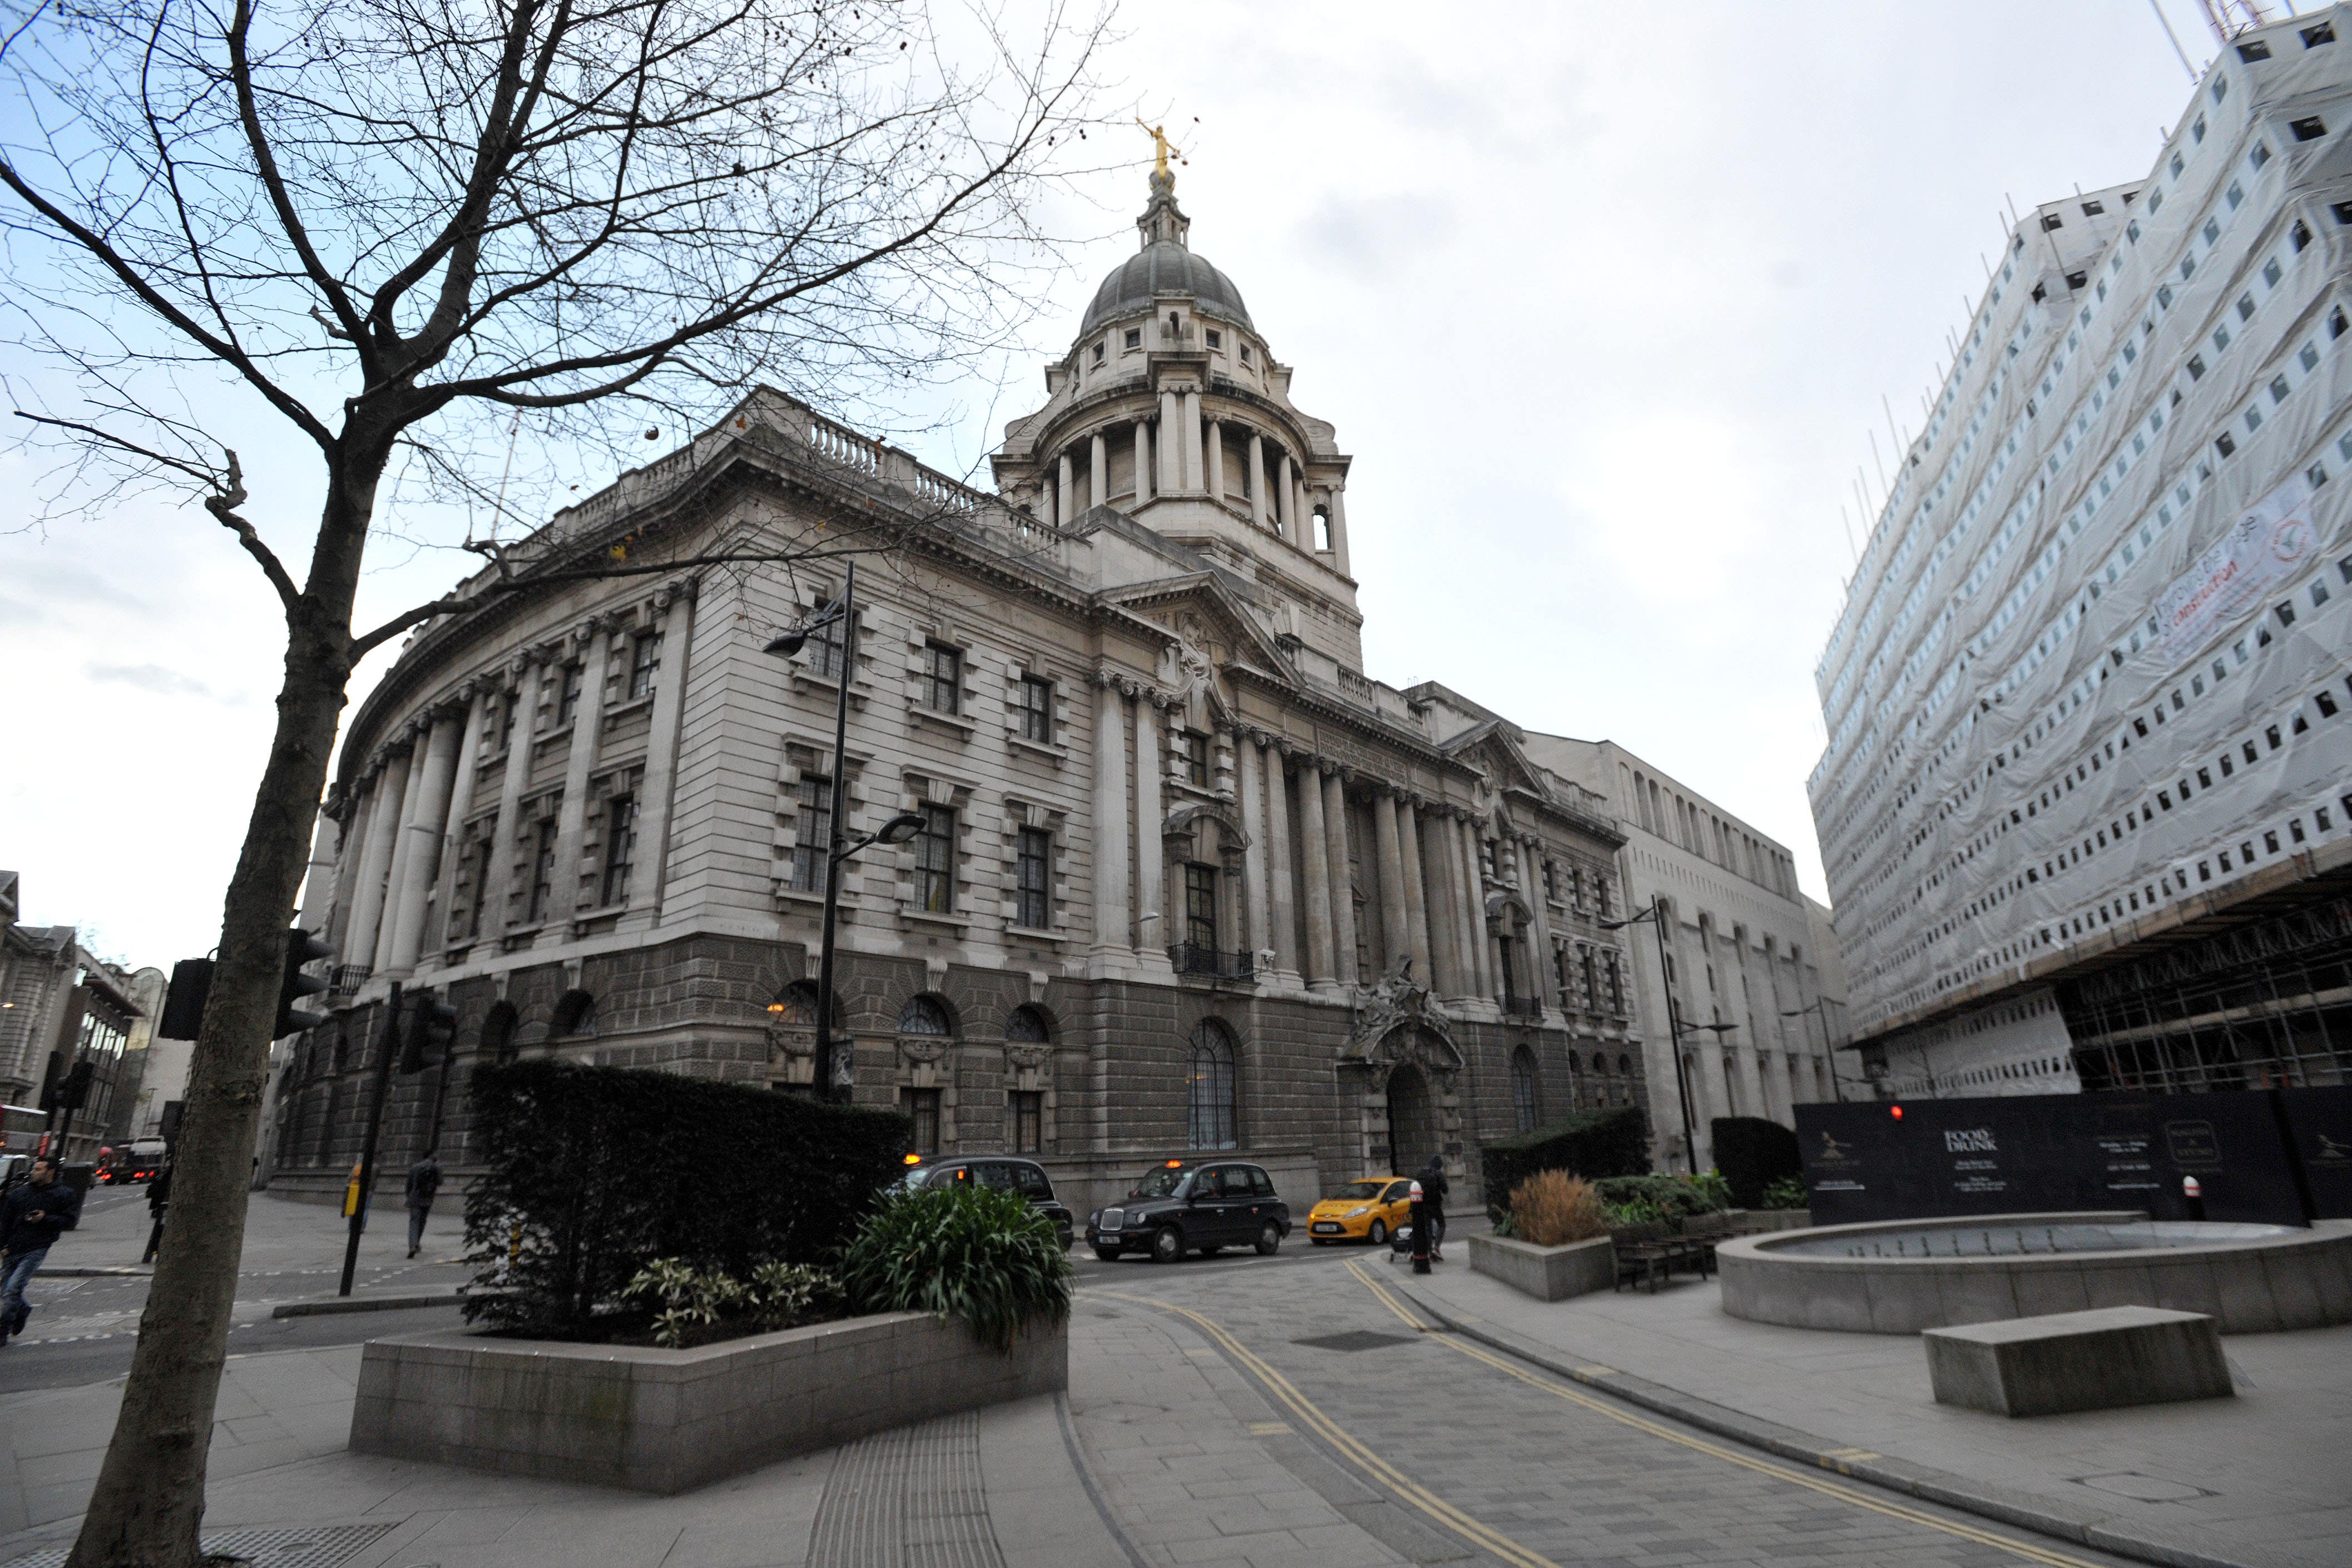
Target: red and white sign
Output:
[(2269, 543)]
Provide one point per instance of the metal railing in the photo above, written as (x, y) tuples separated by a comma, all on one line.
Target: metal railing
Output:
[(1523, 1007), (345, 978), (1210, 962)]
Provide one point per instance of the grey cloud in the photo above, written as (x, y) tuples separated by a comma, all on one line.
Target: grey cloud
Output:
[(153, 678)]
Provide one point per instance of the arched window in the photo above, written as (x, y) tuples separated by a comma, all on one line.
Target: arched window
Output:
[(1211, 1089), (923, 1015), (795, 1004), (498, 1033), (1625, 1065), (1526, 1102), (1026, 1026), (1600, 1064), (575, 1013)]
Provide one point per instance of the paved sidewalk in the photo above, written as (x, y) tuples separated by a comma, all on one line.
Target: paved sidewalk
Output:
[(2262, 1479)]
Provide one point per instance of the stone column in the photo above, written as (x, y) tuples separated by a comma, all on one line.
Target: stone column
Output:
[(1098, 481), (1531, 884), (1306, 510), (461, 799), (1339, 505), (1314, 852), (1257, 479), (1343, 891), (587, 735), (1252, 784), (1112, 921), (396, 867), (1170, 477), (358, 947), (655, 806), (1416, 897), (1193, 479), (1217, 461), (1394, 943), (1282, 903), (1284, 494), (423, 831), (1480, 965), (511, 785), (1063, 510), (1142, 461), (1150, 854)]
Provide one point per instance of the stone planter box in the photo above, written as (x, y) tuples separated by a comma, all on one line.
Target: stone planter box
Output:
[(670, 1420), (1754, 1221), (1546, 1273)]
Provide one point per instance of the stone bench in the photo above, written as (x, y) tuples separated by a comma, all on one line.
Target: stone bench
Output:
[(2063, 1361)]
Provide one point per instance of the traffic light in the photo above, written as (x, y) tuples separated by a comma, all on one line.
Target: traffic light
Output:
[(183, 1004), (73, 1089), (432, 1025), (301, 949)]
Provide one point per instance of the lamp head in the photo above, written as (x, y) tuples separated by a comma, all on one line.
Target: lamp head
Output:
[(900, 829), (786, 646)]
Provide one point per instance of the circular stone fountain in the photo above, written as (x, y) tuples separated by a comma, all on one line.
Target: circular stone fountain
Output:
[(1909, 1275)]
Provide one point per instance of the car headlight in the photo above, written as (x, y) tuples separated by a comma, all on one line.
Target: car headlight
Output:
[(1358, 1213)]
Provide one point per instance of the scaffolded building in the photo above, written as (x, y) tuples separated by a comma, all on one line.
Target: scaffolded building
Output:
[(2086, 803)]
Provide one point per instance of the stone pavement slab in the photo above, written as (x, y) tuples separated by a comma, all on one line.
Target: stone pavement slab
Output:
[(2262, 1479)]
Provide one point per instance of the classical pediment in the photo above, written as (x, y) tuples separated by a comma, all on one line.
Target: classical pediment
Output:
[(1495, 749), (1208, 626)]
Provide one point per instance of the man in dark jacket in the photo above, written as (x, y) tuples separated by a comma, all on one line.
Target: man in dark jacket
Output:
[(1433, 1203), (31, 1219), (424, 1181)]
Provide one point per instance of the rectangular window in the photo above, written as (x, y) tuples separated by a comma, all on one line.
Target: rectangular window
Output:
[(1215, 341), (1100, 349), (1591, 990), (1601, 897), (826, 645), (1037, 709), (811, 833), (2324, 33), (935, 849), (508, 708), (542, 871), (1196, 760), (567, 702), (1026, 1116), (1616, 984), (645, 662), (620, 847), (2253, 49), (1201, 906), (484, 844), (1033, 873), (2310, 128), (943, 678), (1134, 339), (921, 1107)]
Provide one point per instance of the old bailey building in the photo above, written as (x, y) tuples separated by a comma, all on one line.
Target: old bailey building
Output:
[(1187, 879)]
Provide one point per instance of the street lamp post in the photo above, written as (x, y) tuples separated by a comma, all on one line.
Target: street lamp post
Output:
[(836, 1073), (1837, 1084), (1675, 1028)]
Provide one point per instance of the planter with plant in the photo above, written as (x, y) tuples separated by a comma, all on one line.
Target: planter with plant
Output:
[(1558, 1242)]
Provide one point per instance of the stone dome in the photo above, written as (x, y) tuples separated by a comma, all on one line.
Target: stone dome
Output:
[(1164, 266)]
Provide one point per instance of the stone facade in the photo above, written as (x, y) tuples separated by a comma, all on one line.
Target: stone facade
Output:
[(1189, 878)]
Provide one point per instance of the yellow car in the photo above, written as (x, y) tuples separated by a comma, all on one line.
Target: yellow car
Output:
[(1364, 1210)]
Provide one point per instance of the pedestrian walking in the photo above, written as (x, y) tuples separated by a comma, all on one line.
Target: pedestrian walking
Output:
[(31, 1219), (159, 1201), (1432, 1201), (424, 1181)]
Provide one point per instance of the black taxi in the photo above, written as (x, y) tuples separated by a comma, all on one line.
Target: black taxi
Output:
[(1025, 1177), (1192, 1206)]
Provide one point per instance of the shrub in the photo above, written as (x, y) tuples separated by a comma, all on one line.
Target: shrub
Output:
[(961, 1251), (1590, 1143), (1752, 1154), (1789, 1192), (594, 1171), (1644, 1200), (777, 1296), (1552, 1208)]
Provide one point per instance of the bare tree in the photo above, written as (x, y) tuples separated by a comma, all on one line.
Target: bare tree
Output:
[(400, 225)]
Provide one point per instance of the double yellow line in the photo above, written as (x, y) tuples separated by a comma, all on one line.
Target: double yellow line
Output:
[(1311, 1416)]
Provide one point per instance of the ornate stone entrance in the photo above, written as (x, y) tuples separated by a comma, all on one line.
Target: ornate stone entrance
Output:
[(1413, 1120), (1400, 1071)]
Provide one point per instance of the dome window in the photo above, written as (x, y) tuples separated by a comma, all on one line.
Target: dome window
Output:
[(1134, 338), (1101, 349), (1215, 340), (1245, 353)]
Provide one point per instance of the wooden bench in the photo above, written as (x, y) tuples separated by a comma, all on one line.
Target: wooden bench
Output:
[(1650, 1252)]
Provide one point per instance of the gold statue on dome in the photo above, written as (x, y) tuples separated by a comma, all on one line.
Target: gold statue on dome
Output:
[(1160, 141)]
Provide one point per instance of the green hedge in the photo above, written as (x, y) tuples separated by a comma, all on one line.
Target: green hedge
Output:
[(1752, 1154), (594, 1171), (1637, 1199), (1590, 1143)]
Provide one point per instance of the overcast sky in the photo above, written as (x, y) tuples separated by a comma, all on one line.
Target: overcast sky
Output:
[(1602, 299)]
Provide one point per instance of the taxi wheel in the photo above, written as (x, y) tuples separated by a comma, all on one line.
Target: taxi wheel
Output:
[(1377, 1233), (1269, 1239), (1167, 1245)]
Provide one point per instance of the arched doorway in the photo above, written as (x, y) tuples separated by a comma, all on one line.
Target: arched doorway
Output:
[(1413, 1120)]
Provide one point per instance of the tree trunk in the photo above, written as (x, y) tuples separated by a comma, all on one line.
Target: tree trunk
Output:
[(150, 1499)]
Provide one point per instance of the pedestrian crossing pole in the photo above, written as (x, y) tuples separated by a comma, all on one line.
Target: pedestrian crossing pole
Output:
[(355, 1201)]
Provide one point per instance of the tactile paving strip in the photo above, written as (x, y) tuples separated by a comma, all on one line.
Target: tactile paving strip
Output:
[(907, 1498)]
